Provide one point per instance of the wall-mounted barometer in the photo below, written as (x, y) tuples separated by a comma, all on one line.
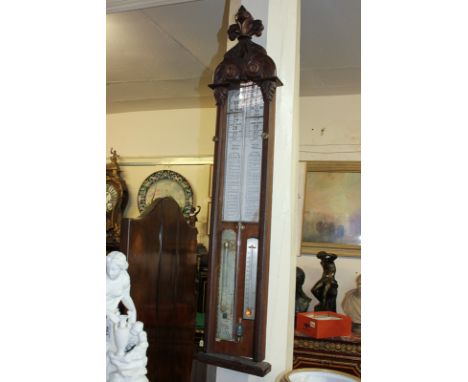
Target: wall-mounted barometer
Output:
[(244, 88)]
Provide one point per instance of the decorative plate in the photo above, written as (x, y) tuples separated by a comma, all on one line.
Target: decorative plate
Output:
[(166, 183)]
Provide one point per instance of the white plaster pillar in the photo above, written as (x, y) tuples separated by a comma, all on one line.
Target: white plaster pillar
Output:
[(281, 19)]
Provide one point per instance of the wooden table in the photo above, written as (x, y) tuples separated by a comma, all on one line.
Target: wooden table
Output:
[(337, 353)]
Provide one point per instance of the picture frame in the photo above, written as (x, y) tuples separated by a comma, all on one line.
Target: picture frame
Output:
[(210, 180), (208, 217), (331, 219)]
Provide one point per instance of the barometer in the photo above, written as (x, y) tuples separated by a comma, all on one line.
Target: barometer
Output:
[(244, 88)]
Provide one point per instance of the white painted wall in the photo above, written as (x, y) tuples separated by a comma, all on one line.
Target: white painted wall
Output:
[(162, 133), (330, 129), (141, 137)]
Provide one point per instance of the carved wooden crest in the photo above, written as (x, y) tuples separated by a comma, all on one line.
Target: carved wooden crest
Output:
[(247, 61)]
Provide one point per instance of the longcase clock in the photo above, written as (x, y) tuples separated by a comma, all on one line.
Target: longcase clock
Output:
[(244, 89)]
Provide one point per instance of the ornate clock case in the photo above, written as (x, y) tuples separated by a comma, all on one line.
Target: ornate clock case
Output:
[(116, 201), (244, 88)]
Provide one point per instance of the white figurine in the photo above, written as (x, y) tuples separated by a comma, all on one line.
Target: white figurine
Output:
[(352, 305), (126, 340), (131, 366), (118, 287)]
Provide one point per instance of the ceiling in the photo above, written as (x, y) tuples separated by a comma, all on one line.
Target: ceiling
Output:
[(164, 56)]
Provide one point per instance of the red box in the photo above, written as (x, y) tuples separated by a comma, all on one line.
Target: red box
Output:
[(323, 324)]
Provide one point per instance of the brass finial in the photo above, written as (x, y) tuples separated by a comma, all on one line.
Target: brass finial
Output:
[(113, 165), (114, 155)]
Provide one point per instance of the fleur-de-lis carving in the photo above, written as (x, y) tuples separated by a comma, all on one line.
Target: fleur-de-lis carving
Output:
[(246, 61), (245, 25)]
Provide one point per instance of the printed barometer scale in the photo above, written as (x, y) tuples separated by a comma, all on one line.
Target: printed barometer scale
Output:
[(244, 88)]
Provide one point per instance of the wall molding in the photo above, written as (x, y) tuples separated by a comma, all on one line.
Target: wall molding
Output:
[(330, 152), (154, 161)]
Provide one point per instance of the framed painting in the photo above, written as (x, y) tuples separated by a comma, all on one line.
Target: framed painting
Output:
[(332, 208)]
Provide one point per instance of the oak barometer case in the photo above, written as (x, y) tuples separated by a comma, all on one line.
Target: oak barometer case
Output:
[(244, 88)]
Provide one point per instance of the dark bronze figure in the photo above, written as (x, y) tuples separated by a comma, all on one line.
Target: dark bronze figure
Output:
[(326, 289), (302, 300)]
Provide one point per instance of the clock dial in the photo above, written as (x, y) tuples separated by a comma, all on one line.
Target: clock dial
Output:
[(111, 197)]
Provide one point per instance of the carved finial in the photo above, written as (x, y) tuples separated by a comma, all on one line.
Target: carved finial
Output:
[(245, 26)]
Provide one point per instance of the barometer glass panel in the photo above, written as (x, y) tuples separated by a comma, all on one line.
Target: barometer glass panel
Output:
[(243, 156), (227, 286), (250, 283)]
